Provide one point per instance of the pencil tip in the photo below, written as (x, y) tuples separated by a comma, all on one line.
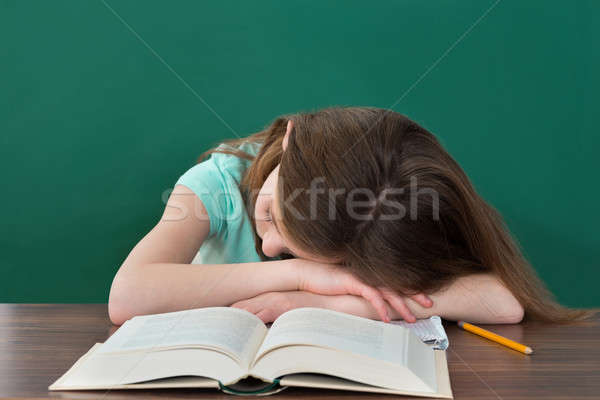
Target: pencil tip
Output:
[(528, 350), (460, 324)]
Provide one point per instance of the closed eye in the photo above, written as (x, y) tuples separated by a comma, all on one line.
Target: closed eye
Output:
[(268, 216)]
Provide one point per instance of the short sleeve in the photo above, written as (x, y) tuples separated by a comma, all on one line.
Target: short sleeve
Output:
[(208, 182), (216, 182)]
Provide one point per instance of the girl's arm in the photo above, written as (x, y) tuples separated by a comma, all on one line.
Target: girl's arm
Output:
[(476, 298), (157, 277), (479, 298)]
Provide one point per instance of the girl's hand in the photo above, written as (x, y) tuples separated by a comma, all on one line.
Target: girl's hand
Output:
[(269, 306), (331, 279), (398, 303)]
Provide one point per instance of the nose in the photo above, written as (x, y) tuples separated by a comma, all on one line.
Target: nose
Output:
[(272, 245)]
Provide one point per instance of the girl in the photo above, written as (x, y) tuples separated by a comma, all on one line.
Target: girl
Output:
[(356, 209)]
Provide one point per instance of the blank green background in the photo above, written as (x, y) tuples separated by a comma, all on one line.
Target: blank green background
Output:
[(95, 127)]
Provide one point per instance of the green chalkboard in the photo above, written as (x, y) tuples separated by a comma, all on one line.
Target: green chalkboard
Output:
[(104, 104)]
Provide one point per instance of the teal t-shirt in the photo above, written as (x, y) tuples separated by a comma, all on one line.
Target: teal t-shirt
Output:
[(216, 181)]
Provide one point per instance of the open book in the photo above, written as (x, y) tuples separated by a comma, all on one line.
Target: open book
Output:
[(223, 347)]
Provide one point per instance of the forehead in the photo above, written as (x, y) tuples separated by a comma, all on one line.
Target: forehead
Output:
[(266, 192), (268, 187)]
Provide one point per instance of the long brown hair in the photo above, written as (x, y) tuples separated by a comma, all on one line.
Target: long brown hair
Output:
[(451, 230)]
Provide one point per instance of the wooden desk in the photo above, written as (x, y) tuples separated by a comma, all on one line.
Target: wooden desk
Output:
[(39, 342)]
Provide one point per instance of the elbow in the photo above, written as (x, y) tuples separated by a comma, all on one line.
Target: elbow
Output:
[(514, 315), (120, 301), (508, 309), (117, 313)]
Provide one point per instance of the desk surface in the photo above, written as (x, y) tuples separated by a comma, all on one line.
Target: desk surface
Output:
[(39, 342)]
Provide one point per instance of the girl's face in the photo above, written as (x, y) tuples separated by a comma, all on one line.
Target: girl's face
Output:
[(268, 221)]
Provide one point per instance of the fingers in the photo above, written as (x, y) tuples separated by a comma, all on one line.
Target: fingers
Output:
[(376, 299), (249, 306), (372, 295), (266, 315), (422, 299), (266, 306), (398, 304)]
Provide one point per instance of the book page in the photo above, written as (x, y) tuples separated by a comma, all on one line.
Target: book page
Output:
[(444, 389), (235, 332), (316, 340), (430, 331), (187, 367), (327, 328)]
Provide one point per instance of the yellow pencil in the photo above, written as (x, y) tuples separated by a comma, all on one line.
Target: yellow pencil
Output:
[(495, 338)]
